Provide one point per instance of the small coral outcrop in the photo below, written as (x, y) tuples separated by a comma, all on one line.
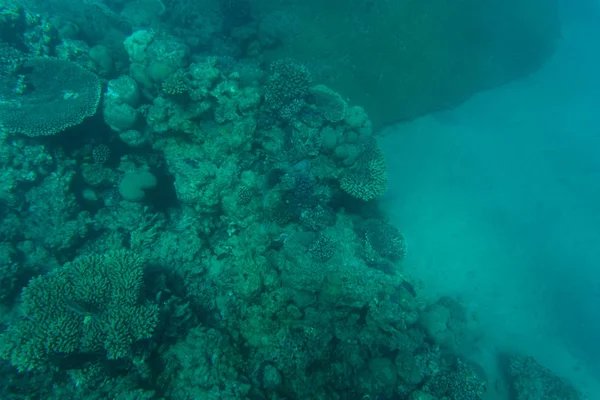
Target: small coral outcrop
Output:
[(368, 178)]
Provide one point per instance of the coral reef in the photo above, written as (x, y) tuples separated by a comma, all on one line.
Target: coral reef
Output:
[(186, 219)]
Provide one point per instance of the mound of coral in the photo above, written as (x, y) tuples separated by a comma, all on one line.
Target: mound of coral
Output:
[(208, 228)]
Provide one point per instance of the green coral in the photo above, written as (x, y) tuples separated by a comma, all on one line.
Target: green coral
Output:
[(322, 248), (531, 381), (244, 195), (204, 365), (288, 82), (384, 238), (329, 103), (367, 179), (177, 83), (458, 382), (52, 96), (91, 305), (10, 61), (9, 270)]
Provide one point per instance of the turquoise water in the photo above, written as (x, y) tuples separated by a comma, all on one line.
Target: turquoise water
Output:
[(500, 201)]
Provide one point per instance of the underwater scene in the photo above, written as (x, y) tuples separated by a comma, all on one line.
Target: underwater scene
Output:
[(300, 199)]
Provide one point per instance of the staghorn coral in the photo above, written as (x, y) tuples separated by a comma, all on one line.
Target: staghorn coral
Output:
[(57, 94), (90, 305)]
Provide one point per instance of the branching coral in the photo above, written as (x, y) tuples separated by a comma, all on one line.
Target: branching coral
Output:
[(368, 178), (90, 305), (288, 82)]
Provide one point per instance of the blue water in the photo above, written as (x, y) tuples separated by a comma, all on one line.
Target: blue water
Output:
[(500, 200)]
